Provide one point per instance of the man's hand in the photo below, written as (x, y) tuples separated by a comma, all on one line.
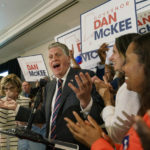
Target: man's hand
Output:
[(83, 93)]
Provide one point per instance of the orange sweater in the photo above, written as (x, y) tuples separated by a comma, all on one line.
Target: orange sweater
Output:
[(130, 142)]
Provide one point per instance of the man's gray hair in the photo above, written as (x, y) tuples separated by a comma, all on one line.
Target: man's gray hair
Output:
[(63, 47)]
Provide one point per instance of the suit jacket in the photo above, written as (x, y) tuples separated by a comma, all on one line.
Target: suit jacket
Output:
[(69, 103)]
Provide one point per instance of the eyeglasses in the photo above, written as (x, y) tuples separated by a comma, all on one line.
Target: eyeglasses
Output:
[(10, 89)]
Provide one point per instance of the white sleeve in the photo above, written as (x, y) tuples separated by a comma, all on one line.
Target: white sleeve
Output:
[(115, 133), (86, 110), (127, 101)]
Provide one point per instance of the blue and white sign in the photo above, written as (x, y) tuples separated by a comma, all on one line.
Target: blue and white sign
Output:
[(71, 38), (106, 22)]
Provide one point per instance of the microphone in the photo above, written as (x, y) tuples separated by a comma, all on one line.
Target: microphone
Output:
[(43, 82), (38, 100)]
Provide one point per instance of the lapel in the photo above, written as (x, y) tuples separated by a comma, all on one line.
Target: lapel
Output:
[(50, 93), (66, 89)]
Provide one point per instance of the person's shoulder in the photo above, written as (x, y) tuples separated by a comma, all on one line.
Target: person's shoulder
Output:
[(22, 93), (91, 73), (123, 91), (20, 97), (82, 70), (50, 83)]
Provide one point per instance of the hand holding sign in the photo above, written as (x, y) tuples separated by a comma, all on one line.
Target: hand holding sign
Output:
[(102, 52), (75, 62)]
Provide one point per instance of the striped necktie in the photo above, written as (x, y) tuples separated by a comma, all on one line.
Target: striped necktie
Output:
[(55, 112)]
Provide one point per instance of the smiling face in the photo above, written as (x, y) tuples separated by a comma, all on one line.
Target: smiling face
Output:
[(117, 59), (59, 62), (134, 70)]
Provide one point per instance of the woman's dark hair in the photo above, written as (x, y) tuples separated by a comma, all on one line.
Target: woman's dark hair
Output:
[(142, 49), (123, 42)]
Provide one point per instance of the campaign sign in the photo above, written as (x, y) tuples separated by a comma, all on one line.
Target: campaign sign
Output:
[(85, 60), (106, 22), (33, 67), (144, 22), (71, 38), (142, 5)]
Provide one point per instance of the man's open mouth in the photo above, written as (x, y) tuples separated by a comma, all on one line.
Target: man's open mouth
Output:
[(56, 65)]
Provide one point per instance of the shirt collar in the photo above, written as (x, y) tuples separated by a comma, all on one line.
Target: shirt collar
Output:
[(65, 76)]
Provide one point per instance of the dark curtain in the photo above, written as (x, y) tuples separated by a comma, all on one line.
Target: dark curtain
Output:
[(12, 66)]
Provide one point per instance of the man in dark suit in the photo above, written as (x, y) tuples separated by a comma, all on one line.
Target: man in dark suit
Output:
[(86, 101)]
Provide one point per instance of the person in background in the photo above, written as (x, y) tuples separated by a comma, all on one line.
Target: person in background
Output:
[(74, 64), (60, 100), (116, 117), (100, 69), (24, 144), (28, 91), (137, 73), (10, 87), (26, 87), (109, 73)]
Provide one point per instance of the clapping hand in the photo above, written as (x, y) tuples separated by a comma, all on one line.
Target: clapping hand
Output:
[(8, 104), (127, 123), (85, 132), (83, 92), (143, 131), (104, 89)]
